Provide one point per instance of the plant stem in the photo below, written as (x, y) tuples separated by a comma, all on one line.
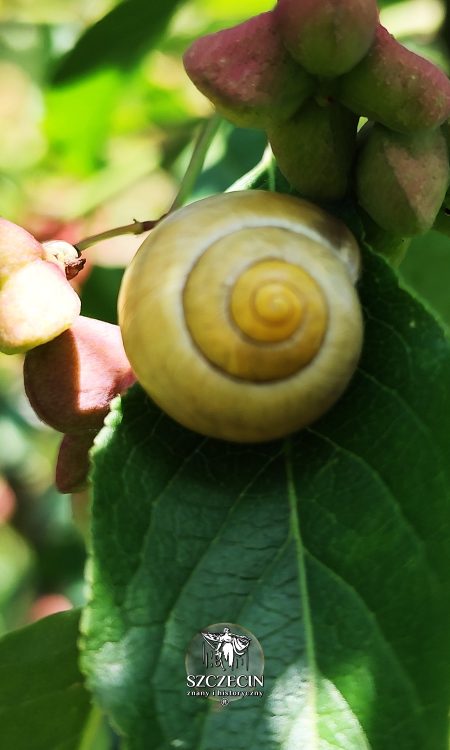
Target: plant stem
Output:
[(92, 729), (202, 144), (396, 254), (195, 166), (442, 223), (248, 180), (392, 247), (137, 227)]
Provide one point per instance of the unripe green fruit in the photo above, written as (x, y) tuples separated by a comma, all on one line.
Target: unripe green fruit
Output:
[(402, 179), (315, 148), (330, 37), (396, 87), (37, 302), (71, 380), (72, 466), (247, 73)]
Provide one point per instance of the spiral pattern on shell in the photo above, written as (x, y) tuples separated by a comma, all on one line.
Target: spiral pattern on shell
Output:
[(240, 317)]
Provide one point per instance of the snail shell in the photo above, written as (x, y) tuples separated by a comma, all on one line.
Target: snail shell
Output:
[(240, 317)]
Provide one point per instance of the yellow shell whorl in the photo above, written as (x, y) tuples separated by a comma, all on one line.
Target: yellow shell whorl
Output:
[(267, 302), (251, 309), (239, 314)]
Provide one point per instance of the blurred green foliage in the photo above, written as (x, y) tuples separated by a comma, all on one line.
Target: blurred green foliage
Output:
[(97, 128)]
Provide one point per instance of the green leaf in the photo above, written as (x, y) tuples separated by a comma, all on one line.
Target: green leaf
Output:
[(426, 268), (17, 567), (78, 120), (100, 292), (16, 563), (331, 547), (43, 702), (119, 39)]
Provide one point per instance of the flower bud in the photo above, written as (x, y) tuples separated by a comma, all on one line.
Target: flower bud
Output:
[(402, 179), (396, 87), (247, 73), (328, 38), (315, 148)]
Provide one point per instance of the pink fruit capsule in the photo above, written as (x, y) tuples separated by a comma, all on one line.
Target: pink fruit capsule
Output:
[(71, 380), (328, 37), (72, 466), (397, 88), (247, 73)]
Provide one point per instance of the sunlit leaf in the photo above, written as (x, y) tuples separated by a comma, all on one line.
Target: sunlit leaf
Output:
[(43, 702), (119, 39), (332, 548)]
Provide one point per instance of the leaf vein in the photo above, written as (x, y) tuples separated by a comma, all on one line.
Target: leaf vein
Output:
[(420, 542)]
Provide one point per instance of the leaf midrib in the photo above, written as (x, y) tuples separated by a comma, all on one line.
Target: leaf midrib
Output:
[(294, 527)]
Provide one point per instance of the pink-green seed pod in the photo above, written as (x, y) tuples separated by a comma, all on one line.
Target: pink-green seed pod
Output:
[(315, 149), (247, 73), (396, 87), (327, 37), (402, 179)]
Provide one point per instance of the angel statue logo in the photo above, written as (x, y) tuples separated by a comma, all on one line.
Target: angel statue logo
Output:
[(220, 649), (225, 662)]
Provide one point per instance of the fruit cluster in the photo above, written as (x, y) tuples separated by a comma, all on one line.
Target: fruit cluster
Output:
[(73, 365), (305, 72)]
